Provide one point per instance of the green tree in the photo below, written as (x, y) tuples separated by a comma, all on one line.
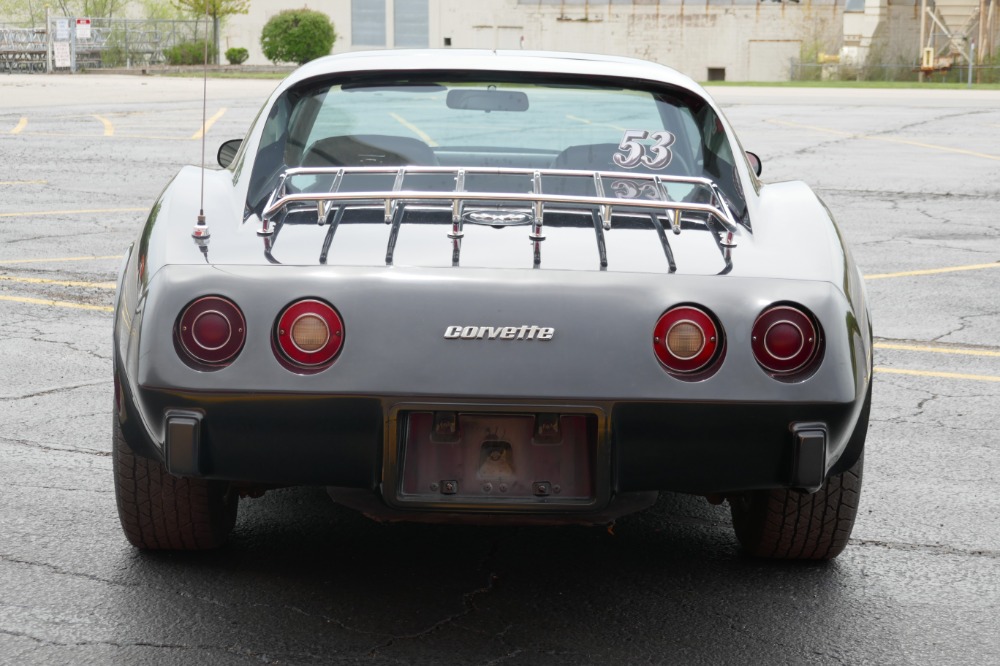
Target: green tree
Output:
[(297, 35), (32, 12), (216, 9)]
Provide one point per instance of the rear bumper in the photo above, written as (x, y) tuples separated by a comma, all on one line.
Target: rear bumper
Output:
[(352, 442)]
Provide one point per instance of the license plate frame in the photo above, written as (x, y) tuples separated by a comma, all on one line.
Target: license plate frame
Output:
[(498, 458)]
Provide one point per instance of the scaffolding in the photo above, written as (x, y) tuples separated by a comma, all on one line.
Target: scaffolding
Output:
[(105, 43), (957, 31)]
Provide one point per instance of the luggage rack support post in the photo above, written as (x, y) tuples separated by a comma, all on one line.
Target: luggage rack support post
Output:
[(539, 214)]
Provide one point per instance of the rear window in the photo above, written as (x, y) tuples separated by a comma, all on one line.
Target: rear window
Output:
[(494, 123)]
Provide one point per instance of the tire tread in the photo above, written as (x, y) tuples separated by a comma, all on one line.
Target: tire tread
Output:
[(159, 511)]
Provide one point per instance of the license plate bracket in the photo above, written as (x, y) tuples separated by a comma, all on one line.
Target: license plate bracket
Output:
[(497, 460)]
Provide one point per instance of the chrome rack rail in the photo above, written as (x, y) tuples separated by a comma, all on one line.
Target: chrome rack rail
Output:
[(331, 204)]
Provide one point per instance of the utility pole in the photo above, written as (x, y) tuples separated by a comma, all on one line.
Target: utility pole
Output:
[(923, 36), (48, 40), (982, 29)]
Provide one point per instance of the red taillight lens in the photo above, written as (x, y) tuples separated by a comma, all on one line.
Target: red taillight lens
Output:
[(686, 339), (309, 334), (786, 340), (211, 332)]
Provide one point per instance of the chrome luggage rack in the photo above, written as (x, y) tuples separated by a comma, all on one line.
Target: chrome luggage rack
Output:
[(716, 216)]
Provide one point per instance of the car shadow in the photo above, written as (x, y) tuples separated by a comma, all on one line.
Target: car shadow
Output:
[(301, 578)]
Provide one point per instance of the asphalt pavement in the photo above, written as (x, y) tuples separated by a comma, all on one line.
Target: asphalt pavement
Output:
[(913, 178)]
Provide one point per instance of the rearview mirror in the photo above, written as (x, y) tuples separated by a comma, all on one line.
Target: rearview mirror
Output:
[(487, 100), (227, 152), (755, 162)]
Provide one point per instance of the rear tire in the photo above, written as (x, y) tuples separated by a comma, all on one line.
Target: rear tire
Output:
[(159, 511), (794, 525)]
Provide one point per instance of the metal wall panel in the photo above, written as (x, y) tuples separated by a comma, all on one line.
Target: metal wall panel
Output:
[(410, 23), (368, 22)]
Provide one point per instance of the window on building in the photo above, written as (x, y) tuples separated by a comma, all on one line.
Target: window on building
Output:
[(368, 22), (410, 23)]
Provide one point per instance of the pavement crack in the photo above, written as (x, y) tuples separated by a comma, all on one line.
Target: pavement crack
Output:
[(330, 620), (933, 548), (109, 491), (54, 449), (506, 657), (59, 570), (468, 605), (51, 390), (896, 196), (124, 645)]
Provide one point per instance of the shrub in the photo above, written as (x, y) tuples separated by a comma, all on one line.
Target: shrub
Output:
[(237, 55), (189, 53), (297, 35)]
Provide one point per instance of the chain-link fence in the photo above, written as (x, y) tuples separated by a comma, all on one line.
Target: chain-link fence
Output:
[(73, 44), (801, 71)]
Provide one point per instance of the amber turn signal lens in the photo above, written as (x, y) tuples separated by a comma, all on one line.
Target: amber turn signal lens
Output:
[(686, 340), (309, 334)]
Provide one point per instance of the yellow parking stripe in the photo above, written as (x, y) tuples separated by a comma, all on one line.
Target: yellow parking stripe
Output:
[(887, 139), (56, 259), (60, 283), (208, 124), (21, 124), (933, 271), (37, 213), (585, 121), (149, 137), (937, 350), (416, 130), (109, 129), (57, 304), (940, 375)]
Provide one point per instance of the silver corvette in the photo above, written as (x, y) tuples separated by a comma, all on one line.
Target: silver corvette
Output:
[(491, 287)]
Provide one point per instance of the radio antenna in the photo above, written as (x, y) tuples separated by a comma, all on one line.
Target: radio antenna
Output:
[(201, 228)]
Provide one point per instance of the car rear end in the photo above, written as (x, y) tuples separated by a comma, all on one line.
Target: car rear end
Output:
[(461, 308)]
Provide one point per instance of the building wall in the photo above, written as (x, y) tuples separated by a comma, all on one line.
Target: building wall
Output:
[(886, 32), (747, 39)]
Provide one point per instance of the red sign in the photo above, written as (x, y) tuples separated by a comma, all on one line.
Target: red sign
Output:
[(83, 28)]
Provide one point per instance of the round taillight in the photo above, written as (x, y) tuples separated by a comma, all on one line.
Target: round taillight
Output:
[(686, 339), (211, 331), (309, 334), (785, 340)]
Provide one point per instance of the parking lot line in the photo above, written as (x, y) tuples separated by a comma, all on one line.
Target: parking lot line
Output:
[(109, 129), (940, 375), (936, 350), (57, 304), (60, 283), (44, 260), (38, 213), (933, 271), (888, 139), (21, 124), (585, 121), (208, 124), (413, 128), (149, 137)]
